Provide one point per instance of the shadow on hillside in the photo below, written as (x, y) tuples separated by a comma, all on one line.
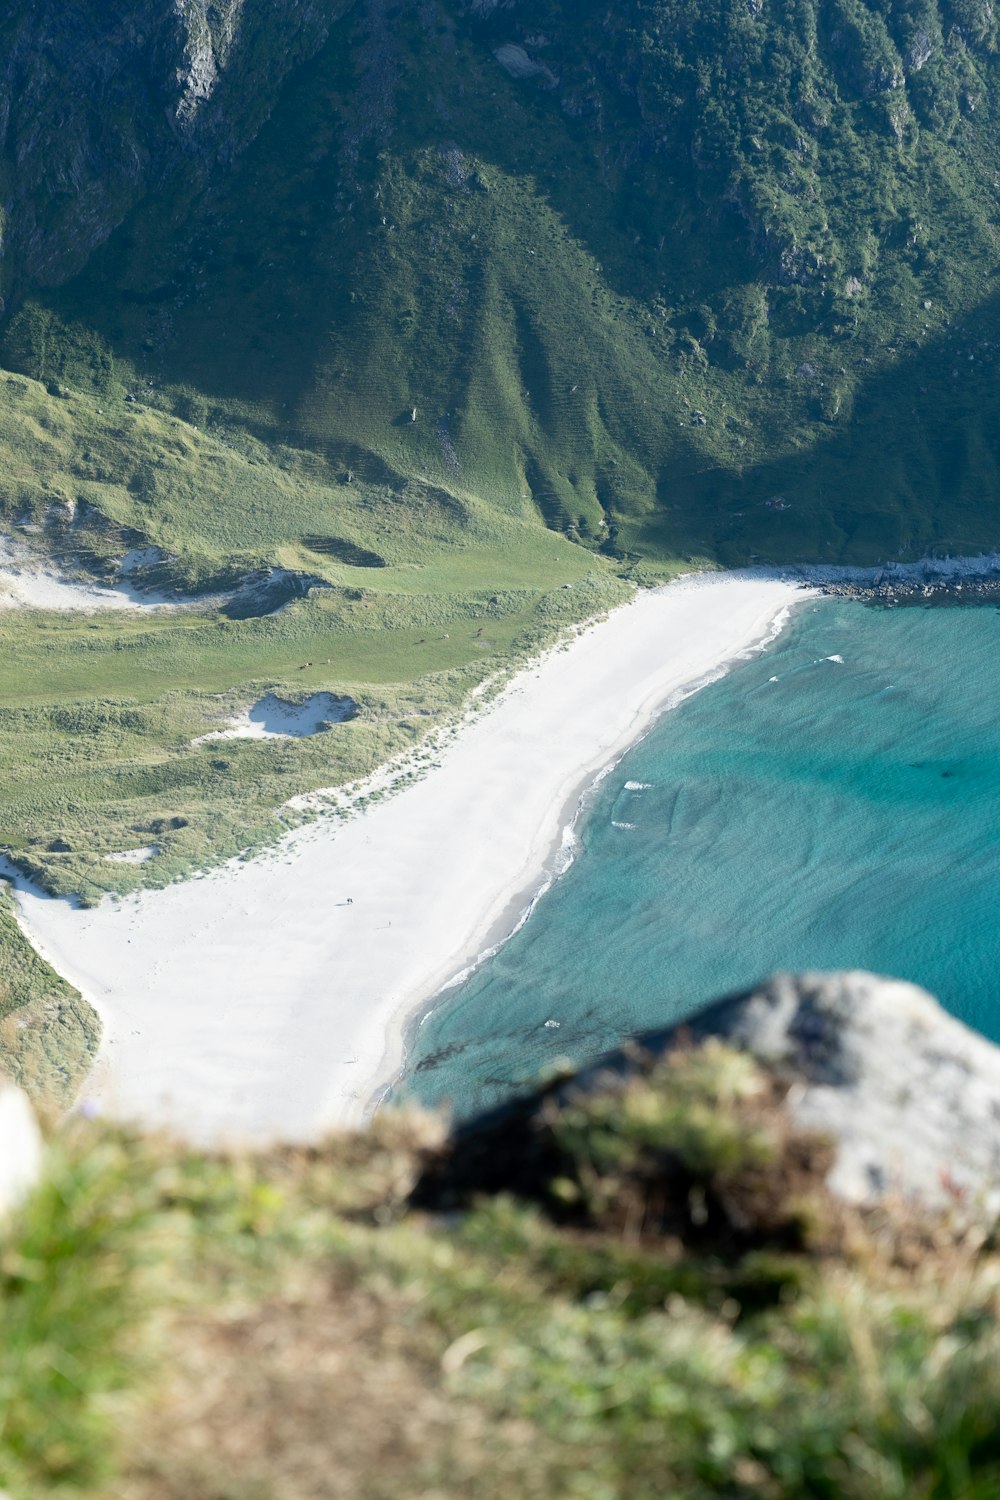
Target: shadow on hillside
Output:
[(248, 290), (911, 467), (262, 291)]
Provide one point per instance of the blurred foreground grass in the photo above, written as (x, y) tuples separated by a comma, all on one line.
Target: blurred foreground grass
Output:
[(677, 1313)]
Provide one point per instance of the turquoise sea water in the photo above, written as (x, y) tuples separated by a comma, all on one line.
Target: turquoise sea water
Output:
[(802, 812)]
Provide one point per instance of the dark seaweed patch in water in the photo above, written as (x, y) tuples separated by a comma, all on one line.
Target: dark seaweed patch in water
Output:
[(443, 1054)]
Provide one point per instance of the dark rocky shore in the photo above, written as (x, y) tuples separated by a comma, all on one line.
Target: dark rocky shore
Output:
[(927, 593)]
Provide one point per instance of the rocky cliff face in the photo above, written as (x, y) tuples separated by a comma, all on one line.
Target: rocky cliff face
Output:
[(102, 100), (99, 99)]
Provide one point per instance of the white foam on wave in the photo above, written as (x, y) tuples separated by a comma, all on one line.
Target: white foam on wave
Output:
[(838, 659), (623, 825), (775, 628), (569, 846), (638, 786)]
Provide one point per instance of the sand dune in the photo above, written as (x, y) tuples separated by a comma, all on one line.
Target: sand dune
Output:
[(29, 582)]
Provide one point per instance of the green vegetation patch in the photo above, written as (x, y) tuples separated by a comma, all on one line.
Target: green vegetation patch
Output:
[(410, 595), (103, 716), (285, 1325), (681, 279), (48, 1033)]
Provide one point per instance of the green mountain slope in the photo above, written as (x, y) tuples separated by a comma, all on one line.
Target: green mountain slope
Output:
[(647, 272), (446, 306)]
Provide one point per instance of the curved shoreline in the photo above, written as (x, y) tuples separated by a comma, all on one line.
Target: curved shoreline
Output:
[(549, 868), (270, 998), (557, 862)]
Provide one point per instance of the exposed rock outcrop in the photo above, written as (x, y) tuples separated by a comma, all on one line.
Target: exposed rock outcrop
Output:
[(908, 1096), (100, 101)]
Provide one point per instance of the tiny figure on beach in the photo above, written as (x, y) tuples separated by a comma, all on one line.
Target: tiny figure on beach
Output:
[(349, 901)]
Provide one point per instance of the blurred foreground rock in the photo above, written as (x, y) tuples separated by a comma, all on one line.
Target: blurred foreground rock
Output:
[(908, 1096), (20, 1147)]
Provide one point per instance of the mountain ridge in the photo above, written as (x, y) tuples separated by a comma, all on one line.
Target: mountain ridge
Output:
[(634, 269)]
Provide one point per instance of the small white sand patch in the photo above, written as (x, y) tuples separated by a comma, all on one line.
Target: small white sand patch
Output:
[(133, 856), (29, 582), (139, 557), (272, 715)]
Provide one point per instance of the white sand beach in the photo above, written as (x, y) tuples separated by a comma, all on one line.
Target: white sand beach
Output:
[(268, 999)]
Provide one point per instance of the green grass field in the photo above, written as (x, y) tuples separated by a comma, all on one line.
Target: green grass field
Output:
[(98, 711), (97, 718)]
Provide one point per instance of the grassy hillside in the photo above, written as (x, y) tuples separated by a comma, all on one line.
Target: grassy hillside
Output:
[(420, 594), (98, 721), (673, 278), (679, 1311), (48, 1033), (447, 306)]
